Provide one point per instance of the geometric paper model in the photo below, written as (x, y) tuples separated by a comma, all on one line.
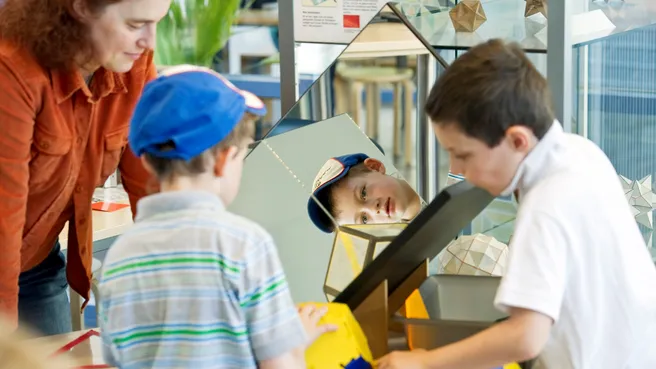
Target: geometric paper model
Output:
[(477, 254), (345, 348), (467, 16), (641, 198), (354, 247), (535, 6)]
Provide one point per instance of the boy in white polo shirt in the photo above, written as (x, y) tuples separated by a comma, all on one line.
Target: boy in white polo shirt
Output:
[(580, 283)]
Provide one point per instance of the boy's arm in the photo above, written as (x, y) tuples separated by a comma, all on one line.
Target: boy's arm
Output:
[(531, 292), (275, 330), (519, 338)]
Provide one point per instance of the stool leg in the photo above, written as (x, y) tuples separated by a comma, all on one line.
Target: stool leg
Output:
[(371, 108), (398, 95), (77, 320), (376, 113), (409, 126), (341, 95), (356, 102)]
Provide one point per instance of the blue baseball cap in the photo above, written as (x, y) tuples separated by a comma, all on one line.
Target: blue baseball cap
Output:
[(332, 171), (191, 107)]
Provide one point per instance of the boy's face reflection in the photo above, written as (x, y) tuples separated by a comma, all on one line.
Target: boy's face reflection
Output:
[(372, 197)]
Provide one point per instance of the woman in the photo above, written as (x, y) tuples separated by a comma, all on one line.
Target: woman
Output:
[(71, 72)]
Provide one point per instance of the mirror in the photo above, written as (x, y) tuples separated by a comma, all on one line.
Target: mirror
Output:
[(362, 113), (364, 104)]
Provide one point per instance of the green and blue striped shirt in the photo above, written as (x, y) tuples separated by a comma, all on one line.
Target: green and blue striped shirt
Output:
[(192, 285)]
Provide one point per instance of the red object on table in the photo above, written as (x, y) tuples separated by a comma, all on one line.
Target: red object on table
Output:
[(108, 206), (69, 346)]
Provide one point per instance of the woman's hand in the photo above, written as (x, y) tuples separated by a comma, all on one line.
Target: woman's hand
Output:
[(310, 316)]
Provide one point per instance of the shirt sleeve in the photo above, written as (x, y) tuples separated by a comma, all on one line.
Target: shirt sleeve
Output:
[(272, 319), (135, 178), (535, 278), (17, 116)]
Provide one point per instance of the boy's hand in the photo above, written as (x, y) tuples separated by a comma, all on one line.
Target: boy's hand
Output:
[(415, 359), (310, 316)]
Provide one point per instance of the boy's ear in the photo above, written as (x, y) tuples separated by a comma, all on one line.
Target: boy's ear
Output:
[(223, 157), (147, 166), (521, 138), (375, 165)]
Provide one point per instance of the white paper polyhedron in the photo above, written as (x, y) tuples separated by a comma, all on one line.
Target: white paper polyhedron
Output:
[(474, 255), (641, 198)]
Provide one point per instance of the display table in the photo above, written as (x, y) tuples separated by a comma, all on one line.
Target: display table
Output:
[(384, 40), (258, 17), (105, 224), (84, 348)]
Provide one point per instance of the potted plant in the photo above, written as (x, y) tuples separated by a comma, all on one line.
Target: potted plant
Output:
[(194, 31)]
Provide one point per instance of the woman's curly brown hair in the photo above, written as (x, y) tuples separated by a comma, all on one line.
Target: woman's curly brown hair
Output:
[(49, 29)]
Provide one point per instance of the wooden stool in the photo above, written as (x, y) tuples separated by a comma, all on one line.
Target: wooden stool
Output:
[(77, 318), (350, 81)]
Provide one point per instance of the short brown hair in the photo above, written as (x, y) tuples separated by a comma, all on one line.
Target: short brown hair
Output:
[(328, 199), (167, 169), (490, 88), (49, 30)]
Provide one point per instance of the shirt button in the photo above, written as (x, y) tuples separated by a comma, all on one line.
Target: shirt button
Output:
[(45, 145), (83, 221), (78, 188)]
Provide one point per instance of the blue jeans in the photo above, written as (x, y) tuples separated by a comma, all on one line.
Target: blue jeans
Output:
[(42, 300)]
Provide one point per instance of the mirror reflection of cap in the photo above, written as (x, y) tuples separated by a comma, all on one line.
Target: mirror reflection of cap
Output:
[(332, 171)]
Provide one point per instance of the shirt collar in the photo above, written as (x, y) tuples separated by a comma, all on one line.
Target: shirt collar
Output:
[(164, 202), (537, 163), (66, 82)]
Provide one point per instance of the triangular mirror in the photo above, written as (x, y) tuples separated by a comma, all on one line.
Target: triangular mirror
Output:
[(364, 104)]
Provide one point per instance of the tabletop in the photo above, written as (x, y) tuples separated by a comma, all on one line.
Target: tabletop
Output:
[(384, 40), (106, 224), (258, 17), (83, 348)]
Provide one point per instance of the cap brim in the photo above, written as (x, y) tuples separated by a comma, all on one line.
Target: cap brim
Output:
[(316, 213)]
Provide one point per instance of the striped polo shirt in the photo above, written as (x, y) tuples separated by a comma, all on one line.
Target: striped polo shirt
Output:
[(192, 285)]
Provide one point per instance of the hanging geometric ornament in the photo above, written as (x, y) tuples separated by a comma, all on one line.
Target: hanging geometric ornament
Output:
[(641, 198), (467, 16), (535, 7)]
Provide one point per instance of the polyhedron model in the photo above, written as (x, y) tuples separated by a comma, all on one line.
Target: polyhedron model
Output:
[(641, 198), (467, 16), (354, 247), (474, 255), (535, 7)]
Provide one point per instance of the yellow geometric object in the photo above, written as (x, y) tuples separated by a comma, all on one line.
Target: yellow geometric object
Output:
[(355, 247), (337, 349)]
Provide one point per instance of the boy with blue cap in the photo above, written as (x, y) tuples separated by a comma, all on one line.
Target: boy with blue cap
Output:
[(192, 285), (355, 189)]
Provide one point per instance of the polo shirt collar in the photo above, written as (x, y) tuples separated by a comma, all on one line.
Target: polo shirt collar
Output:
[(67, 82), (165, 202), (538, 163)]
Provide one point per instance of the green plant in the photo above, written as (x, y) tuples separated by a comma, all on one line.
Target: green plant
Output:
[(194, 31)]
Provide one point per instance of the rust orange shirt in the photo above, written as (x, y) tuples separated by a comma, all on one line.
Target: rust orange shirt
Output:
[(60, 140)]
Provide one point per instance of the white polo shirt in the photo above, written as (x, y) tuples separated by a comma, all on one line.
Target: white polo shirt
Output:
[(577, 256)]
